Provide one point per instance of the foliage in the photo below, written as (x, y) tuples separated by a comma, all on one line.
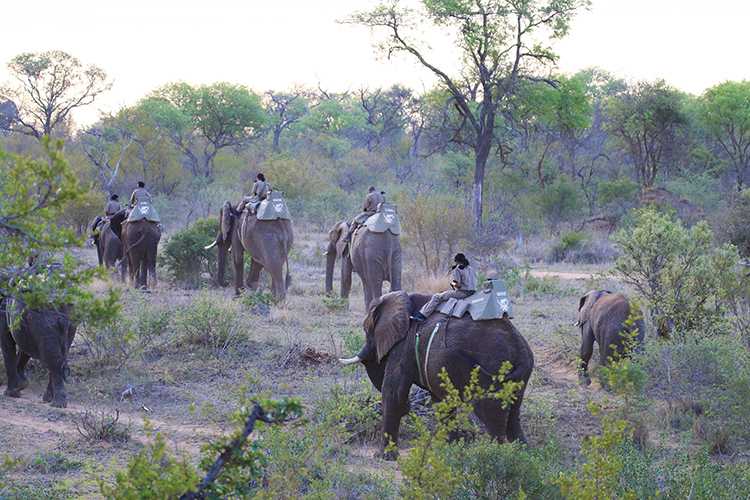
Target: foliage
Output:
[(674, 269), (559, 202), (567, 242), (618, 197), (50, 85), (209, 322), (335, 302), (426, 472), (258, 302), (101, 426), (185, 256), (31, 195), (732, 225), (598, 477)]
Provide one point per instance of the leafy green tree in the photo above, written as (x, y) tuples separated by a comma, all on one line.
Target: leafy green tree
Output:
[(284, 110), (725, 111), (32, 193), (499, 44), (647, 120), (49, 86), (203, 120)]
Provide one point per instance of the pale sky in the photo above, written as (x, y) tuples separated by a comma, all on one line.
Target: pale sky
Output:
[(273, 44)]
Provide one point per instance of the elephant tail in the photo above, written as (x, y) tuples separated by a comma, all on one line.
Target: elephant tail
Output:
[(516, 373)]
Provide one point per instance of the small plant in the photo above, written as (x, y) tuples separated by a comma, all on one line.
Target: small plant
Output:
[(101, 426), (210, 323), (53, 463), (335, 302), (259, 302)]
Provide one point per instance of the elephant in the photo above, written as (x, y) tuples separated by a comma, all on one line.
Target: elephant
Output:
[(46, 335), (140, 240), (109, 248), (601, 318), (375, 257), (268, 243), (459, 346)]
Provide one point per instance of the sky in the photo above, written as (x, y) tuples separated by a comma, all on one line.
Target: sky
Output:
[(275, 44)]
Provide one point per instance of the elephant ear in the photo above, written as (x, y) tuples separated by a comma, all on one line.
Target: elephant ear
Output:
[(337, 234), (225, 220), (387, 321), (586, 303)]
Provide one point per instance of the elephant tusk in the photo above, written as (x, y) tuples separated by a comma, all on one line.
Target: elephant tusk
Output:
[(350, 361), (577, 323), (209, 247)]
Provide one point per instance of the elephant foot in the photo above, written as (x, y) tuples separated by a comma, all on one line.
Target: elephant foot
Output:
[(390, 456), (13, 393), (23, 382), (59, 403), (584, 380), (48, 396)]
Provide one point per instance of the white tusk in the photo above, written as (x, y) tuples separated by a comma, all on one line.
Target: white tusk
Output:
[(577, 323), (350, 361), (209, 247)]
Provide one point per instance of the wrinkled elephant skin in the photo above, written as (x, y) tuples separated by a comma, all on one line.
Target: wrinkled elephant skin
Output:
[(375, 257), (459, 345), (140, 240), (45, 335), (109, 248)]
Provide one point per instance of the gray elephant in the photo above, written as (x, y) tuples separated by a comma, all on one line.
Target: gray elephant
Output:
[(109, 248), (268, 243), (459, 346), (375, 257), (45, 335), (140, 240), (601, 317)]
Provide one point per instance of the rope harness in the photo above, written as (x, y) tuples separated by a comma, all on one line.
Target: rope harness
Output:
[(424, 379)]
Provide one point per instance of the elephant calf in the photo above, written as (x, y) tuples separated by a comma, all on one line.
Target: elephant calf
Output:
[(45, 335), (601, 317)]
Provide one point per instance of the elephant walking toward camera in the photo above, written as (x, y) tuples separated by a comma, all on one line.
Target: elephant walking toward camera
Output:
[(375, 257), (45, 335), (268, 242), (602, 317), (395, 358)]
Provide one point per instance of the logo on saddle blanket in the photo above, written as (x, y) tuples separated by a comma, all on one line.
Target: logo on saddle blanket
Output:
[(386, 219), (492, 302)]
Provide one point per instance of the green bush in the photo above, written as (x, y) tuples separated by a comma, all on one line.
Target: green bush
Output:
[(732, 225), (209, 322), (185, 256)]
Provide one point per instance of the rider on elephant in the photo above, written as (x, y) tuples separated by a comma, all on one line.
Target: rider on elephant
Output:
[(139, 192), (113, 206), (261, 190), (464, 284), (369, 207)]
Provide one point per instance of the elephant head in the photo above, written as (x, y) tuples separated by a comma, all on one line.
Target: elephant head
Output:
[(603, 318), (395, 359), (337, 250), (227, 216)]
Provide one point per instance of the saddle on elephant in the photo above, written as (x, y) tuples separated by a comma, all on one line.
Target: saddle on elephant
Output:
[(384, 219), (143, 209), (272, 207), (492, 302)]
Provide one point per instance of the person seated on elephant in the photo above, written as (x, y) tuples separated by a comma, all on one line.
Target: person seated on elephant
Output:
[(369, 207), (139, 192), (113, 206), (261, 190), (464, 284)]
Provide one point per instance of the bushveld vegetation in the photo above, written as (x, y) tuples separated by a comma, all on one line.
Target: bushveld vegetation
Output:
[(636, 184)]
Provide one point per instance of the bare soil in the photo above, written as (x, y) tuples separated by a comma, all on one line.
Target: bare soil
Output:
[(186, 395)]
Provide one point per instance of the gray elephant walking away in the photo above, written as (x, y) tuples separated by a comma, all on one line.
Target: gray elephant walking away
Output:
[(602, 317), (395, 359), (45, 335)]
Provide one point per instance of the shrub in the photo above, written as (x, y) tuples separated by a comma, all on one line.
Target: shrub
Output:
[(208, 322), (733, 227), (101, 426), (618, 197), (335, 302), (185, 256), (258, 302)]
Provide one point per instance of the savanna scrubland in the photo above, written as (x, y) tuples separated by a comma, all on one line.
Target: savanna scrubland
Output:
[(592, 183)]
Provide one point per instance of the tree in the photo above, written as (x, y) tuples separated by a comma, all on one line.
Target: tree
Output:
[(495, 40), (32, 194), (204, 120), (50, 85), (111, 137), (285, 109), (725, 111), (646, 120)]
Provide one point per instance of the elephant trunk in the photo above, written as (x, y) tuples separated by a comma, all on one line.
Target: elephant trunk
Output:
[(330, 263), (222, 264)]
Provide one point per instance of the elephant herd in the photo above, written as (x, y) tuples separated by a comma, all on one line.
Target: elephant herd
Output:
[(393, 355)]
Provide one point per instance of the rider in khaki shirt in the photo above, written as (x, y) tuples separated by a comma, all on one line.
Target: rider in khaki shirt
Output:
[(464, 284), (369, 207)]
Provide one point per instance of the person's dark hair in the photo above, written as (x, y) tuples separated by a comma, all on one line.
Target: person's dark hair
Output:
[(372, 188), (461, 259), (113, 197), (261, 177), (141, 184)]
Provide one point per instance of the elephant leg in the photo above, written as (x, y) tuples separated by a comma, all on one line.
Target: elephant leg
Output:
[(253, 277), (395, 405), (151, 266), (10, 358), (494, 417), (143, 273), (514, 429), (346, 276), (55, 393), (587, 348), (23, 358)]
